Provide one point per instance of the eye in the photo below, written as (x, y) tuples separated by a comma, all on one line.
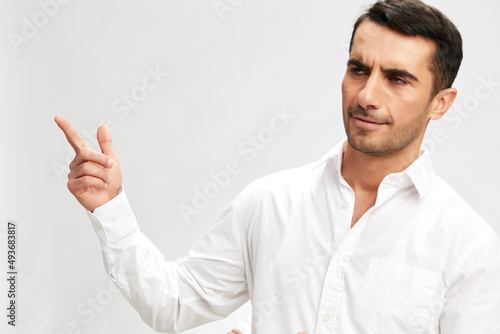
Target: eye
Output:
[(398, 80), (357, 71)]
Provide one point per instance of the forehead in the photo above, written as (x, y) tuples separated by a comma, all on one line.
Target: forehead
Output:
[(376, 45)]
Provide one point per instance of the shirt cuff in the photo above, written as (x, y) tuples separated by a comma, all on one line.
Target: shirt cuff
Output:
[(113, 220)]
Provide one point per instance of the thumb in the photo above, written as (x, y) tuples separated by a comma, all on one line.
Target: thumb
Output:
[(104, 139)]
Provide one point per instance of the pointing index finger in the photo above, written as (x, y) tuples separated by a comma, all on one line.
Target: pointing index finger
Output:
[(71, 135)]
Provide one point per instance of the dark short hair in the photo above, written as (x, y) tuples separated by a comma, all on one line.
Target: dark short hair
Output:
[(415, 18)]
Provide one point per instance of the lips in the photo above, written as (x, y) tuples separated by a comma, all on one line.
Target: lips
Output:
[(366, 123), (362, 119), (367, 119)]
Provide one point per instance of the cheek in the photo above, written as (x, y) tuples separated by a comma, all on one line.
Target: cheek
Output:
[(416, 99), (409, 112)]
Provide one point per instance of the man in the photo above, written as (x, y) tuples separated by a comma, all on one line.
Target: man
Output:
[(365, 240)]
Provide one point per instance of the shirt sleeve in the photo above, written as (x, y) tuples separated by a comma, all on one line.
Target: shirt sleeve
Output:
[(173, 296), (472, 302)]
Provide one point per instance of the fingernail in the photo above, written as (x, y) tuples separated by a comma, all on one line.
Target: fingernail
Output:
[(108, 179), (110, 163), (105, 185)]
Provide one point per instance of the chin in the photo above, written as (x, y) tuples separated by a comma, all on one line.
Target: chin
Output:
[(371, 147)]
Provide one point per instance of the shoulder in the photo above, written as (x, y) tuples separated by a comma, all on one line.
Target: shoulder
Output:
[(455, 214), (280, 183), (286, 187)]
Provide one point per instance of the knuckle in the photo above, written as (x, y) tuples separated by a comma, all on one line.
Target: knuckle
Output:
[(88, 168), (90, 182), (84, 168), (102, 159), (86, 180), (105, 176), (71, 186)]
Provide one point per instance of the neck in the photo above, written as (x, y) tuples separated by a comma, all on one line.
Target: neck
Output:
[(364, 173)]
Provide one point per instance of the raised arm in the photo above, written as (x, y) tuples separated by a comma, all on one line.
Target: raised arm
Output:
[(95, 177), (170, 296)]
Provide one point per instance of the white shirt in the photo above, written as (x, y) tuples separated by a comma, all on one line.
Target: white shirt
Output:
[(419, 261)]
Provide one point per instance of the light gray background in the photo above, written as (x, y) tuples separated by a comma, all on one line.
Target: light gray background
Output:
[(227, 73)]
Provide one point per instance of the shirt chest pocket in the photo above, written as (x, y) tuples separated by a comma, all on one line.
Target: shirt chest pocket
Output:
[(396, 298)]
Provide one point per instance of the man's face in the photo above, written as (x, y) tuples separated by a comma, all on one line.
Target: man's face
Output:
[(386, 90)]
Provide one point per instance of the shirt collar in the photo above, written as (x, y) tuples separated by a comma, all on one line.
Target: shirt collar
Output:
[(420, 172)]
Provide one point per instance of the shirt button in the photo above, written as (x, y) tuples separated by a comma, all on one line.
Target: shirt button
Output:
[(114, 218), (327, 318), (339, 259), (344, 205)]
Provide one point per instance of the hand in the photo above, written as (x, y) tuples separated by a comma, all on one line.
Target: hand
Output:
[(94, 177), (235, 331)]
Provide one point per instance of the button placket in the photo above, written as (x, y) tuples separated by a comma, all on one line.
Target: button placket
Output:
[(345, 205)]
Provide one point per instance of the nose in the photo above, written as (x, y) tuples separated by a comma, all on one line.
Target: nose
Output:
[(369, 95)]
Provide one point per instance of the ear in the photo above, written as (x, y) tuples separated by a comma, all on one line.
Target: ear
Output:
[(442, 102)]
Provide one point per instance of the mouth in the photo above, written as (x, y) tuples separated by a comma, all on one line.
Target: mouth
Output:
[(365, 122)]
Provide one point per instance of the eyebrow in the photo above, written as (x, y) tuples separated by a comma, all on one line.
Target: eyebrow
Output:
[(390, 72)]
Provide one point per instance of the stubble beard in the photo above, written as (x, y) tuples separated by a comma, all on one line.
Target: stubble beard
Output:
[(380, 145)]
